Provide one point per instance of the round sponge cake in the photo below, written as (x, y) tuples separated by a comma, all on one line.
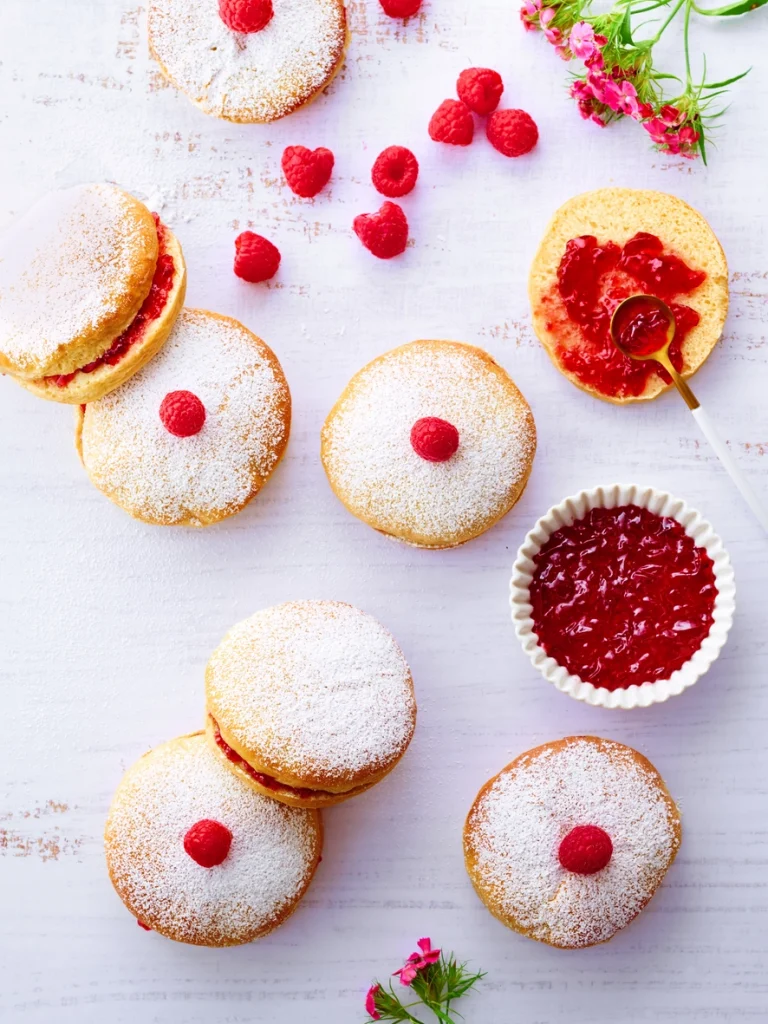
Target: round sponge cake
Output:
[(517, 830), (310, 702), (169, 480), (255, 76), (616, 215), (268, 862), (374, 469), (143, 339), (74, 272)]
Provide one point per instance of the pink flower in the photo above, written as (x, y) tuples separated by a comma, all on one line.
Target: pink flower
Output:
[(629, 103), (656, 128), (595, 61), (671, 116), (587, 104), (582, 40), (621, 97), (370, 1003), (554, 35), (528, 14), (418, 961)]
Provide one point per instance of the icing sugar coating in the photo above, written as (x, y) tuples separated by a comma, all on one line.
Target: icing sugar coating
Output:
[(74, 271), (270, 863), (317, 692), (249, 77), (374, 470), (197, 480), (514, 830)]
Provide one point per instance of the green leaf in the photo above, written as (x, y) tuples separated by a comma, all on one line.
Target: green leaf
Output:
[(728, 81), (732, 10), (625, 28), (440, 1014)]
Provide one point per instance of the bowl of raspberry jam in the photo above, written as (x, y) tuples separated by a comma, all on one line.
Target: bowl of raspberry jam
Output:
[(622, 596)]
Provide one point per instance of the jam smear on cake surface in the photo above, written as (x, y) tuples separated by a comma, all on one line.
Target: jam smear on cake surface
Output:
[(592, 279), (622, 597), (152, 308)]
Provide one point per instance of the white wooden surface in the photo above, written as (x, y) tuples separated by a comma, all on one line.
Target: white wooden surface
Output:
[(107, 624)]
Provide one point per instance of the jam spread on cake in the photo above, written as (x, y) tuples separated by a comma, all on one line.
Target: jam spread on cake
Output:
[(267, 781), (622, 597), (151, 309), (592, 279), (641, 327)]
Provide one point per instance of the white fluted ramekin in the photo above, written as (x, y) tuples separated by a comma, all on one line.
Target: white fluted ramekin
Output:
[(576, 507)]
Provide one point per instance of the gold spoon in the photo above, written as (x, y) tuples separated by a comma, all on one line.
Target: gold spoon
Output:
[(636, 325)]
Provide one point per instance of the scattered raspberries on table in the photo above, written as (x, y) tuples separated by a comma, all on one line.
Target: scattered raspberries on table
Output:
[(452, 123), (246, 15), (400, 8), (396, 169), (512, 132), (307, 171), (256, 258), (480, 89), (395, 172), (385, 233)]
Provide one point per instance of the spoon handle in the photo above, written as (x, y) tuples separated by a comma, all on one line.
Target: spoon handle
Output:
[(721, 450)]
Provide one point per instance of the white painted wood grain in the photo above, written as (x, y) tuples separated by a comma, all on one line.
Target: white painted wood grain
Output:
[(106, 624)]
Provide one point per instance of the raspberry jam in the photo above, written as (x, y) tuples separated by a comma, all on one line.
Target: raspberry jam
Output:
[(592, 279), (622, 597), (267, 781), (153, 306), (641, 327)]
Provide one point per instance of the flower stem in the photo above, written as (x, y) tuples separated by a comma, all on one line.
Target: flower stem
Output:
[(668, 21), (686, 29)]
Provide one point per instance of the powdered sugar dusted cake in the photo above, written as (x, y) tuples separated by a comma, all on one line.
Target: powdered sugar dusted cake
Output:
[(311, 702), (90, 286), (249, 76), (571, 840), (199, 857), (195, 435), (431, 443)]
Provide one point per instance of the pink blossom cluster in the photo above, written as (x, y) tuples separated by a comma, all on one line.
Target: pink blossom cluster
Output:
[(419, 961), (673, 131), (602, 92)]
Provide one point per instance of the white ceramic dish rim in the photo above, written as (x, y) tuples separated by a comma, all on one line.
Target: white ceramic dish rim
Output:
[(576, 507)]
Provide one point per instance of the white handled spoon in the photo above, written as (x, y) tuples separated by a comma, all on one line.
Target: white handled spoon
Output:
[(643, 327)]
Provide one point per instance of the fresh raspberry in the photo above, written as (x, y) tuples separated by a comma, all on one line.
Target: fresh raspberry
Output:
[(246, 15), (452, 123), (512, 132), (208, 842), (585, 850), (182, 413), (400, 8), (395, 172), (434, 439), (142, 925), (480, 89), (256, 259), (385, 233), (307, 170)]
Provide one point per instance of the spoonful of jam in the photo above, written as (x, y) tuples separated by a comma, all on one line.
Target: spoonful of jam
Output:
[(643, 327)]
